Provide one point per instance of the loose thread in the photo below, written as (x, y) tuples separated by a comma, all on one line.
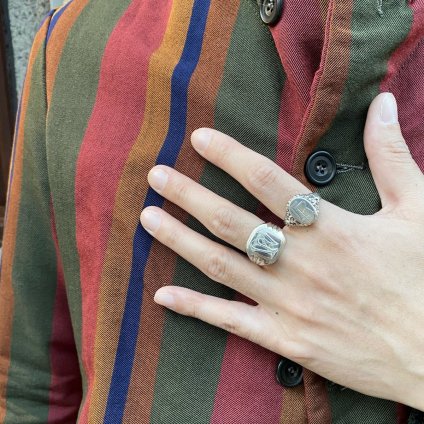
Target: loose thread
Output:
[(380, 7)]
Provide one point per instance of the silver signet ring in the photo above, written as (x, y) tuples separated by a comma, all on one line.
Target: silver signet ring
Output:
[(265, 244), (302, 210)]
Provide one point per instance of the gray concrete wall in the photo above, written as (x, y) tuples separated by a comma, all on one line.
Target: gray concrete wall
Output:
[(21, 20)]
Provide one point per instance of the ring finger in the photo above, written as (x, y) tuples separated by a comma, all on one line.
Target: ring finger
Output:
[(218, 262)]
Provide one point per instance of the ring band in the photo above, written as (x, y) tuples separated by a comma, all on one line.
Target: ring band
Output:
[(302, 210), (265, 244)]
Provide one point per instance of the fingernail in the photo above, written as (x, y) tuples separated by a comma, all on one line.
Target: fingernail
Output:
[(158, 178), (389, 113), (150, 220), (201, 139), (164, 299)]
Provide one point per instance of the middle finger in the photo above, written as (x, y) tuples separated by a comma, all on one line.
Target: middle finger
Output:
[(262, 177)]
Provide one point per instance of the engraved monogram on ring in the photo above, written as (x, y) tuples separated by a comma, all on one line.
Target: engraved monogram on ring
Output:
[(265, 244), (302, 210)]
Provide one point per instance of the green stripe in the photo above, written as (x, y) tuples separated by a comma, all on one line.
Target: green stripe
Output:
[(247, 108), (374, 38), (34, 270), (350, 407), (72, 102)]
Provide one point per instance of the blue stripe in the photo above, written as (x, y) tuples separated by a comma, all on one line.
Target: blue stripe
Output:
[(142, 240), (56, 18)]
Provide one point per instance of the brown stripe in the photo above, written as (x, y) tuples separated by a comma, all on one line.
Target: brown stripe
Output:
[(294, 408), (317, 401), (328, 84), (161, 264)]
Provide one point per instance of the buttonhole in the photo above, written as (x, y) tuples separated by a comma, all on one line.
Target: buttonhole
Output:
[(344, 167)]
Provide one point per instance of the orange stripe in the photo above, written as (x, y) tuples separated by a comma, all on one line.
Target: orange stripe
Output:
[(294, 408), (9, 238), (131, 194), (60, 34)]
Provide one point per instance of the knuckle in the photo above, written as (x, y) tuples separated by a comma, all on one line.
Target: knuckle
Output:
[(223, 222), (181, 190), (305, 313), (195, 309), (340, 238), (231, 323), (298, 349), (221, 149), (261, 177), (397, 149), (323, 279), (171, 237), (218, 265), (304, 355)]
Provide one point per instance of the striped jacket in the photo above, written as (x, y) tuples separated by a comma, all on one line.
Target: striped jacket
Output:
[(113, 88)]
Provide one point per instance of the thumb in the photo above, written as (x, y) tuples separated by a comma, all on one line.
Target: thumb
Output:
[(395, 173)]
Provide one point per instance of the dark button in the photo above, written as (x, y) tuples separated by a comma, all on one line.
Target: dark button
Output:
[(320, 168), (271, 11), (289, 374)]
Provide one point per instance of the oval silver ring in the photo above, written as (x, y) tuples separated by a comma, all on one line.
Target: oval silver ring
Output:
[(265, 244), (302, 210)]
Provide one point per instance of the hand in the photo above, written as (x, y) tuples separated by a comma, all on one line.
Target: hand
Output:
[(346, 297)]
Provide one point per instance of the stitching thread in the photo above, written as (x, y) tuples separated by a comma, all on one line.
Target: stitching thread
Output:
[(344, 167)]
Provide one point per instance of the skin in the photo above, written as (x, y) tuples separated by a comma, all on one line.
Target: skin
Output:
[(357, 322)]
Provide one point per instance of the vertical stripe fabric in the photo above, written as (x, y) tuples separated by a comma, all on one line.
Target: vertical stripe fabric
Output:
[(69, 111), (29, 263), (113, 88), (60, 34), (244, 391), (129, 199), (142, 240), (161, 262), (130, 39), (55, 18)]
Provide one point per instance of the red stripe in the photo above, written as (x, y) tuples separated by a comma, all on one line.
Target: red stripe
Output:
[(299, 38), (291, 113), (66, 386), (247, 385), (120, 102), (324, 90), (405, 65)]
